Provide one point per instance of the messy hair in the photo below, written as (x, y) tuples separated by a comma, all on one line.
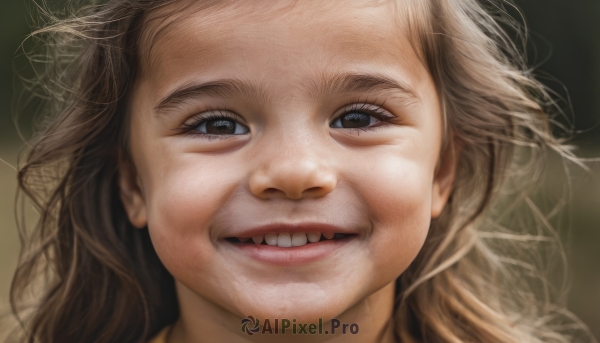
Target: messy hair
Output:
[(475, 280)]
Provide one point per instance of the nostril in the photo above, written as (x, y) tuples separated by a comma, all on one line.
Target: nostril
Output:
[(313, 190), (293, 183), (293, 193)]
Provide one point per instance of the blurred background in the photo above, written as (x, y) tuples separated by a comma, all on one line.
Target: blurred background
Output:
[(565, 48)]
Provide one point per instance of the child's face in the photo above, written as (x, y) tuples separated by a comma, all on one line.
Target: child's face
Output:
[(321, 118)]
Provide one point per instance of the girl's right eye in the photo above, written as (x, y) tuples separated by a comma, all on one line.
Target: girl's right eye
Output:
[(222, 127), (218, 123)]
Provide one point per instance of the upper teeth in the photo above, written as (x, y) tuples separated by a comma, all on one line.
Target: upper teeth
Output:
[(286, 240)]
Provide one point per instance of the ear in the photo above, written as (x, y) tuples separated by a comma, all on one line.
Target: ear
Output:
[(131, 193), (443, 180)]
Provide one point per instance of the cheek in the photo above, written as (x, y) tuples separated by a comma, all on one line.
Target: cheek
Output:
[(180, 206), (398, 196)]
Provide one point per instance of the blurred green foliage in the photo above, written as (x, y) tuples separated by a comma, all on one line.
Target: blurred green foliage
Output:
[(13, 29), (565, 38)]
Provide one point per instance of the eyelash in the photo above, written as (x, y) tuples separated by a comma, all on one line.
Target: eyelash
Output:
[(370, 109), (188, 129)]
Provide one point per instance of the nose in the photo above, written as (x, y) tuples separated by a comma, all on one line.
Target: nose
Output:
[(294, 176)]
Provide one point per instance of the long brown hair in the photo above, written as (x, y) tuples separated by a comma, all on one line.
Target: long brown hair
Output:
[(105, 282), (102, 280)]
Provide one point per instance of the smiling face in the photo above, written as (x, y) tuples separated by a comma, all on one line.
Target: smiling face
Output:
[(290, 124)]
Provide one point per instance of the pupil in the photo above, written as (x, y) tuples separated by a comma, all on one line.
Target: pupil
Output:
[(220, 126), (351, 120)]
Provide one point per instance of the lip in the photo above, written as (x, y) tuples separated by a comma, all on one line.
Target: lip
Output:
[(291, 228), (291, 256)]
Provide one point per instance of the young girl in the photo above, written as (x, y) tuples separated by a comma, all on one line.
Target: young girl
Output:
[(284, 171)]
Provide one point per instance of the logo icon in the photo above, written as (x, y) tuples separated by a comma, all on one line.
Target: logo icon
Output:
[(250, 325)]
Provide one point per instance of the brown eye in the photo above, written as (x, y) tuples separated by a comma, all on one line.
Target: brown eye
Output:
[(221, 127), (351, 120), (354, 120)]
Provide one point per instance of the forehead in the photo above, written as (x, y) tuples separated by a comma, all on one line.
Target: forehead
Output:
[(312, 37)]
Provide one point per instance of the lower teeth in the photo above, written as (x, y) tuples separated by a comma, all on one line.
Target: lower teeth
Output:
[(336, 236)]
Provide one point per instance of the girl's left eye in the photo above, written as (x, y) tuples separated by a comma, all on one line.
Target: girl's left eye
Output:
[(361, 116), (354, 120)]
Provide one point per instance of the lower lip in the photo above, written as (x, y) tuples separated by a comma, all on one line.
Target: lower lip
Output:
[(293, 255)]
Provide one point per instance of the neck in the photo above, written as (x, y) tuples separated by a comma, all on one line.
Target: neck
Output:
[(203, 321)]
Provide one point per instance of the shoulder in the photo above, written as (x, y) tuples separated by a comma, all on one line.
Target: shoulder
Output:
[(161, 337)]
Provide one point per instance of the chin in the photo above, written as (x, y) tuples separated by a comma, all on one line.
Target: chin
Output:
[(303, 308)]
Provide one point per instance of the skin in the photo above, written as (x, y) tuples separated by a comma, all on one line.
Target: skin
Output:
[(385, 182)]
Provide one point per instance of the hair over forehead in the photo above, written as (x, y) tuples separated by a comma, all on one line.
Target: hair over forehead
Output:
[(411, 15)]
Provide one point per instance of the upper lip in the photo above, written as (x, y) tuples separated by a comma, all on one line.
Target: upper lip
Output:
[(292, 228)]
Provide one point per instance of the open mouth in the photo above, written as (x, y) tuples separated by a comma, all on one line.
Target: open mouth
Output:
[(288, 240), (290, 246)]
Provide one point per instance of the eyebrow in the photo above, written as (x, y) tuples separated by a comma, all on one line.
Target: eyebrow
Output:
[(362, 83), (340, 83), (225, 88)]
